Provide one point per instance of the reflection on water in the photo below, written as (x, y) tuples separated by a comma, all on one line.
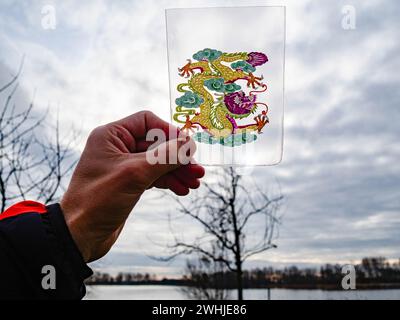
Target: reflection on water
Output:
[(147, 292)]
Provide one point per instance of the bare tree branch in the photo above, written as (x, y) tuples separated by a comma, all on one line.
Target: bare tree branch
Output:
[(225, 211), (32, 165), (15, 78)]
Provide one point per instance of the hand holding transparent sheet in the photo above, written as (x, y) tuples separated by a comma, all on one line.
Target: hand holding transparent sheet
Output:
[(226, 82)]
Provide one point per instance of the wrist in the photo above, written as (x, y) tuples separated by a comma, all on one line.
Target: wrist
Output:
[(75, 229)]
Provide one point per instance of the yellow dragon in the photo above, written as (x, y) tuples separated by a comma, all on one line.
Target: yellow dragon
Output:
[(212, 98)]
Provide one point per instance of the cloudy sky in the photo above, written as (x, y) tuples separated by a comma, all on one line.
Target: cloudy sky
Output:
[(340, 172)]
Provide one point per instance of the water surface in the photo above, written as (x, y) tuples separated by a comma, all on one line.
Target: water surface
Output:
[(154, 292)]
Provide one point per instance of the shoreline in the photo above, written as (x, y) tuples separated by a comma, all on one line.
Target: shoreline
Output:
[(324, 287)]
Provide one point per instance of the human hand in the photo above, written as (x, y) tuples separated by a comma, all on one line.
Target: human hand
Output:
[(112, 174)]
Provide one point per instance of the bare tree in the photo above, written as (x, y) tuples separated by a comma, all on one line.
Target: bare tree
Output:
[(32, 165), (207, 278), (238, 219)]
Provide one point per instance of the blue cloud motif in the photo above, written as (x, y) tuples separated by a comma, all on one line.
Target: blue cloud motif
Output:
[(231, 141), (243, 65), (216, 84), (232, 87), (219, 85), (207, 54), (189, 100)]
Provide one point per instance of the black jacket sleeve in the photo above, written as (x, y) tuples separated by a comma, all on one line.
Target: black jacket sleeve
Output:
[(38, 257)]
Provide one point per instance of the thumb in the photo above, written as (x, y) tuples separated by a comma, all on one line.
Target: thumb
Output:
[(168, 156)]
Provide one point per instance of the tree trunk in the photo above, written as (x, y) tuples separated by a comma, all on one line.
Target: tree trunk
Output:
[(239, 279)]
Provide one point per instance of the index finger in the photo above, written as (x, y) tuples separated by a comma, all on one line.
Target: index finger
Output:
[(138, 124)]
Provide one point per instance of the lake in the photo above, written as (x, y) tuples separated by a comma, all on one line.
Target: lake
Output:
[(154, 292)]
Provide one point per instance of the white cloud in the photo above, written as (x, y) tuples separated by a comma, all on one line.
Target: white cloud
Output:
[(108, 59)]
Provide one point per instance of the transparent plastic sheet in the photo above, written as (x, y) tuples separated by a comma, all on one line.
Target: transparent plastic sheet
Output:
[(226, 73)]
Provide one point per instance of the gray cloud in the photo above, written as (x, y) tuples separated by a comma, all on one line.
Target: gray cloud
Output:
[(340, 172)]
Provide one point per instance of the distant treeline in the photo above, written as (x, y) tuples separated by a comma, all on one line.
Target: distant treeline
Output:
[(375, 272), (131, 279)]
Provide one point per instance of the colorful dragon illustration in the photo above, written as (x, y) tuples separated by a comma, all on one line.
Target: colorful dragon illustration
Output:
[(213, 101)]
